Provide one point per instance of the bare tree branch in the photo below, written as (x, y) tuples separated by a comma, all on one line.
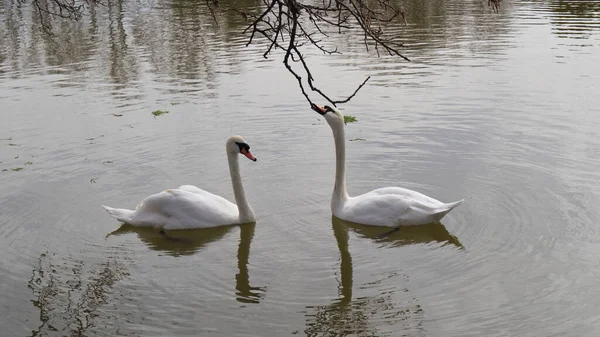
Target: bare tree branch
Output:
[(300, 24), (311, 24), (355, 91)]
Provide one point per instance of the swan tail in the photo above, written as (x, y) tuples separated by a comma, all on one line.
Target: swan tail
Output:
[(446, 208), (123, 215)]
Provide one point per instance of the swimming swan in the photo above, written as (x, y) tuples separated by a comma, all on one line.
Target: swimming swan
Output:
[(189, 207), (388, 206)]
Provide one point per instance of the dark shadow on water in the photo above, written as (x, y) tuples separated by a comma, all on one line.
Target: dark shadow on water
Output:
[(175, 243), (188, 242), (380, 314), (401, 236)]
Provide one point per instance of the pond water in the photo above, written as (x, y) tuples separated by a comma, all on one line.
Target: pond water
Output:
[(500, 109)]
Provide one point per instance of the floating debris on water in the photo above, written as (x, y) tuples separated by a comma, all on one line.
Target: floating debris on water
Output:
[(349, 119), (157, 113)]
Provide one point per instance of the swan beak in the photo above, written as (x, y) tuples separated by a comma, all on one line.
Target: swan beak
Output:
[(248, 154), (318, 109)]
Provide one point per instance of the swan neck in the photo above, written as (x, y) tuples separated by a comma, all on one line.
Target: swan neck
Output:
[(246, 214), (339, 192)]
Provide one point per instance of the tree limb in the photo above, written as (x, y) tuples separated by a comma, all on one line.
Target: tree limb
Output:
[(310, 24), (298, 23)]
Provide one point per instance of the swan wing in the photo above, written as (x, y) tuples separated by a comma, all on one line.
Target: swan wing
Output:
[(183, 208), (415, 196), (375, 209), (394, 206)]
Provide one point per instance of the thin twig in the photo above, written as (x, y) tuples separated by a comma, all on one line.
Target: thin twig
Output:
[(309, 24)]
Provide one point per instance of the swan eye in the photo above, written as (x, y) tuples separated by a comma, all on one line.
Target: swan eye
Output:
[(243, 146), (328, 108)]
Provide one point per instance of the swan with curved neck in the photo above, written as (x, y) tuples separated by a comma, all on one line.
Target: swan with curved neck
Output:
[(388, 206), (189, 207)]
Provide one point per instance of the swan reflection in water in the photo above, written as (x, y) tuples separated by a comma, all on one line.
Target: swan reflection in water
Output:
[(188, 242), (380, 314)]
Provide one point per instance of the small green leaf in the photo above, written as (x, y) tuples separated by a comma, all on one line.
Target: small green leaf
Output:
[(349, 119), (16, 169), (157, 113), (93, 180), (28, 163), (357, 140), (107, 162)]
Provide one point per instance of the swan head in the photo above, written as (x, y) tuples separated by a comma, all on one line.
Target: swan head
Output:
[(333, 116), (237, 144)]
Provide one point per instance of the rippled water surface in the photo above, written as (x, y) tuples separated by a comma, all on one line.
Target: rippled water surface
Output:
[(498, 109)]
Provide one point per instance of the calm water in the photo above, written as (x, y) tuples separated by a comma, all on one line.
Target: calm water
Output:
[(499, 109)]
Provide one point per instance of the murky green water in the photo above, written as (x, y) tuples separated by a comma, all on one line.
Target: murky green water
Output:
[(499, 109)]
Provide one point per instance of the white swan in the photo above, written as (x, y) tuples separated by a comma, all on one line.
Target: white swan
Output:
[(388, 206), (189, 207)]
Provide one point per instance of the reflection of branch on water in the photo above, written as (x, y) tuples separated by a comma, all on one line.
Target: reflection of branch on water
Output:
[(495, 4), (574, 19), (68, 298), (65, 9), (121, 64)]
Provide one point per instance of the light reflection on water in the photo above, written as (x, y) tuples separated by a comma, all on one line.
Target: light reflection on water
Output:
[(499, 109)]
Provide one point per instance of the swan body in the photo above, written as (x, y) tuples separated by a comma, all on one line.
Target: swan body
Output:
[(190, 207), (388, 206)]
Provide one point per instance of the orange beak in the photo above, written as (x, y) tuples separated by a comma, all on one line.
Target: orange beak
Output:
[(248, 154)]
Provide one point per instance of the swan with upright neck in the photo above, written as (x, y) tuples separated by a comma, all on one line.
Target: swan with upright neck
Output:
[(388, 206), (190, 207)]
